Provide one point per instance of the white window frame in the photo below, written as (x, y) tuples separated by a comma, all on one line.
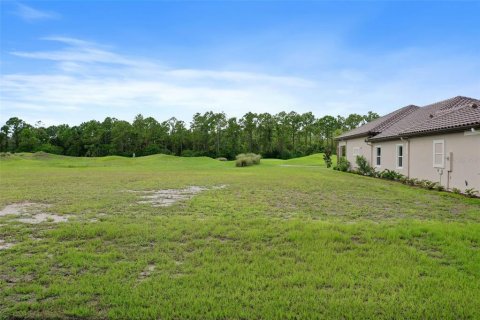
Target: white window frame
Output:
[(376, 156), (439, 165), (400, 156)]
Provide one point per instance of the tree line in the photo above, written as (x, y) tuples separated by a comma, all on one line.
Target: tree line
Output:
[(283, 135)]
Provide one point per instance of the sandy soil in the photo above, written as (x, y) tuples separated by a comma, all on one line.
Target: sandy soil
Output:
[(5, 245), (168, 197), (30, 212)]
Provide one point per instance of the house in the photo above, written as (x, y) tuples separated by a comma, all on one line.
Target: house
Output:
[(439, 142)]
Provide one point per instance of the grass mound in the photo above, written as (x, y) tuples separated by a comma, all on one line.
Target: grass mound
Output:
[(247, 159), (314, 159)]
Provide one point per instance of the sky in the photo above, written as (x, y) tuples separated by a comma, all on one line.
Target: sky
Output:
[(74, 61)]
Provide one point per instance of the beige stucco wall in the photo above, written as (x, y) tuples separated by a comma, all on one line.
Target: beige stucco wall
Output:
[(389, 156), (418, 158), (465, 162), (363, 149)]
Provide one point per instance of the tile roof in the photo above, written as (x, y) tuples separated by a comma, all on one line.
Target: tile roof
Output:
[(443, 115), (462, 117), (378, 125)]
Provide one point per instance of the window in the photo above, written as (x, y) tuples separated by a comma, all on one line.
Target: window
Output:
[(378, 157), (438, 153), (399, 156)]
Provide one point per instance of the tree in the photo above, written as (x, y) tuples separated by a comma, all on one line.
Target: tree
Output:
[(308, 120), (353, 121), (233, 132), (371, 116), (282, 135), (91, 137), (4, 131), (15, 126), (123, 138), (249, 125), (294, 121), (266, 129), (219, 123), (28, 140), (327, 125)]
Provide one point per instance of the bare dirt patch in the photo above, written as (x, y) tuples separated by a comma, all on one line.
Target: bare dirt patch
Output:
[(19, 208), (43, 217), (146, 272), (168, 197), (31, 212), (5, 245)]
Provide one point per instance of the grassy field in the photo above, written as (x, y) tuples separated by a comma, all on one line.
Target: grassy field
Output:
[(285, 239)]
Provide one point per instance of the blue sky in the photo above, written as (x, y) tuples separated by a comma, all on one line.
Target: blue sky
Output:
[(72, 61)]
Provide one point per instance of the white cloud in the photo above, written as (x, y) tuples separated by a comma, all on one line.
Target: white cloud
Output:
[(99, 81), (90, 81), (30, 14)]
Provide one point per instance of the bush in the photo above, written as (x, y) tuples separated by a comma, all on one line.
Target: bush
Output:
[(411, 181), (222, 159), (404, 180), (471, 192), (327, 157), (342, 165), (247, 159), (391, 175), (427, 184), (363, 167), (456, 191)]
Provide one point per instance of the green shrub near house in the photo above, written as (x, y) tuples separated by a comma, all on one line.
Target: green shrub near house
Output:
[(363, 167), (342, 165)]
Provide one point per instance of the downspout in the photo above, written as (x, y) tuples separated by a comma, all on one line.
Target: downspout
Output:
[(449, 168)]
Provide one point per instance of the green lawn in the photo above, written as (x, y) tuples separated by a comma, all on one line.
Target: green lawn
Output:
[(285, 239)]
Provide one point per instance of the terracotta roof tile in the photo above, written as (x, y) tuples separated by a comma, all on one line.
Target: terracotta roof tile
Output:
[(465, 116), (446, 114), (378, 125)]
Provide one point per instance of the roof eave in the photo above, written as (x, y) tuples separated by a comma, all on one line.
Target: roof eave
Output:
[(374, 139), (358, 135), (439, 131)]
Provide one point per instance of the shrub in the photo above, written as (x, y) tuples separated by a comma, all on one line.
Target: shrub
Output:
[(404, 180), (456, 191), (439, 187), (343, 164), (222, 159), (427, 184), (247, 159), (412, 181), (363, 167), (391, 175), (327, 157), (471, 192)]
